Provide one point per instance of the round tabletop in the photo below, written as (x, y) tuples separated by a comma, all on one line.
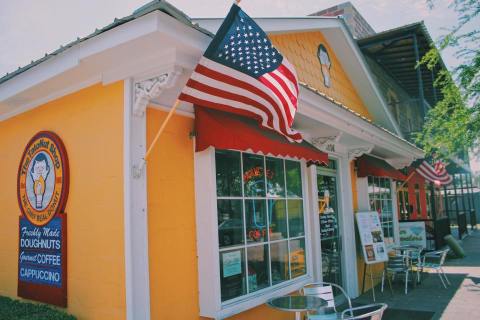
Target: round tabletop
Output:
[(297, 303)]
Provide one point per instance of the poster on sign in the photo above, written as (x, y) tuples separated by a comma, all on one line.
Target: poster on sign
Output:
[(371, 237), (42, 190)]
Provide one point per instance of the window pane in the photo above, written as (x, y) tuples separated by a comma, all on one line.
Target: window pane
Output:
[(279, 257), (253, 175), (256, 219), (383, 186), (258, 272), (294, 179), (228, 173), (275, 178), (232, 274), (277, 219), (388, 189), (295, 218), (230, 222), (297, 258)]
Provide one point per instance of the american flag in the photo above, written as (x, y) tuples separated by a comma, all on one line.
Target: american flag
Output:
[(436, 174), (242, 72)]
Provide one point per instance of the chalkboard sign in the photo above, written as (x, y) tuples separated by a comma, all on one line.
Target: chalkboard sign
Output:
[(371, 237), (328, 225)]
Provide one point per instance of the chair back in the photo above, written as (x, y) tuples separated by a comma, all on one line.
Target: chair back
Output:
[(398, 262), (324, 292), (371, 311)]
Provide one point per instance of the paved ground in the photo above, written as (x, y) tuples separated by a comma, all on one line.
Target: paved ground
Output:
[(430, 300)]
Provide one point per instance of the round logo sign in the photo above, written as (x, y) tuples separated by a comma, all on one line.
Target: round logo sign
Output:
[(42, 184)]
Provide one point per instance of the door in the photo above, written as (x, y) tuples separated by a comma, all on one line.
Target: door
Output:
[(330, 235)]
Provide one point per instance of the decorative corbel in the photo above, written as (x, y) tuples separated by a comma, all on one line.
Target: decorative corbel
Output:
[(151, 88), (327, 143), (356, 152)]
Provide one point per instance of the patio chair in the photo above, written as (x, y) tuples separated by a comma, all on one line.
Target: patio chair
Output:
[(370, 311), (415, 257), (436, 261), (325, 291), (396, 264)]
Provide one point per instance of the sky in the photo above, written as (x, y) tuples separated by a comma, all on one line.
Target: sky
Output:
[(31, 28)]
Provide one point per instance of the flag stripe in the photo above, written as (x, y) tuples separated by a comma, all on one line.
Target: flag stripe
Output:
[(431, 174), (284, 69), (218, 92), (203, 99), (230, 82), (238, 85), (289, 90), (226, 74), (276, 88)]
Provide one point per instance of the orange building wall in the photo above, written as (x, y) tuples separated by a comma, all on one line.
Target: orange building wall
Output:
[(171, 219), (90, 123), (301, 50)]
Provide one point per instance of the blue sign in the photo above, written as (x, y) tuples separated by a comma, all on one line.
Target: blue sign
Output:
[(40, 256)]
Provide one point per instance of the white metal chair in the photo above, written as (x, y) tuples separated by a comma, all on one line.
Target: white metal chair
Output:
[(325, 291), (371, 311), (415, 257), (436, 261), (396, 264)]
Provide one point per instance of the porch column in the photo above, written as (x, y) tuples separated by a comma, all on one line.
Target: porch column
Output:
[(138, 92)]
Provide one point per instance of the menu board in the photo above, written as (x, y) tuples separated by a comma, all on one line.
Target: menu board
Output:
[(371, 237)]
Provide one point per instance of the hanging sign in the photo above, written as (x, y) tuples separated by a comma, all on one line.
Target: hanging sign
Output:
[(42, 190), (371, 237)]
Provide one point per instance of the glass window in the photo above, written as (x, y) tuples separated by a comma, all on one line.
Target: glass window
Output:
[(380, 198), (261, 224), (229, 182)]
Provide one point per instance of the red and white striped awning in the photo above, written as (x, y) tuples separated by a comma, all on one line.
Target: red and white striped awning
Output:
[(436, 174)]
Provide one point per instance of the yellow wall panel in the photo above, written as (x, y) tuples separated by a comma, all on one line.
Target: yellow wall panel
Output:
[(171, 219), (301, 50), (90, 123)]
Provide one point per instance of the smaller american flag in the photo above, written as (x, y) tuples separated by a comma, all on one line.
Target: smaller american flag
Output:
[(242, 72), (436, 174)]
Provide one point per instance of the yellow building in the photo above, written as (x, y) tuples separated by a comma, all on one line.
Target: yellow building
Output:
[(183, 237)]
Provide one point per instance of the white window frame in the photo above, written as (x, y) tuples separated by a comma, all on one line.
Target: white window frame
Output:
[(208, 245), (346, 221)]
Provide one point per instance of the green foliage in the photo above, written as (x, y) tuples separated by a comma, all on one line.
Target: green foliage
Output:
[(17, 310), (453, 125)]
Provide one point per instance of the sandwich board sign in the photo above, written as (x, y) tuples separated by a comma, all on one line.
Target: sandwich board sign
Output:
[(371, 237), (413, 233)]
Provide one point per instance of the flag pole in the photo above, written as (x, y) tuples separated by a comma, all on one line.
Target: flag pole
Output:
[(164, 124), (406, 180), (160, 131)]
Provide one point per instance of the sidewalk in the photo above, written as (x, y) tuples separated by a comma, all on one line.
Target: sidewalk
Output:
[(430, 300)]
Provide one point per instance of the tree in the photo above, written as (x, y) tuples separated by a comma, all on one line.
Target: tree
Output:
[(452, 127)]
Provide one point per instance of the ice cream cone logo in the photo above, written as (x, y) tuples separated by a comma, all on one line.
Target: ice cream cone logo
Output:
[(325, 64), (39, 174), (43, 176)]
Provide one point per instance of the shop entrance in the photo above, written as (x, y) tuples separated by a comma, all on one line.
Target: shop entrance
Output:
[(330, 235)]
